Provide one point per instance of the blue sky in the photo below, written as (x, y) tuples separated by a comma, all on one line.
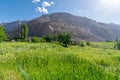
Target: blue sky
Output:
[(99, 10)]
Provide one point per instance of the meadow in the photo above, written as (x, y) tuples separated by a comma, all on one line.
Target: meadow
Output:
[(49, 61)]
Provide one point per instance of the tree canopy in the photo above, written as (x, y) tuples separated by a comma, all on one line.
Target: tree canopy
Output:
[(2, 33), (24, 31)]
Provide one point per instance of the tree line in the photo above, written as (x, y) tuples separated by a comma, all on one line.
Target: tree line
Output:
[(63, 38)]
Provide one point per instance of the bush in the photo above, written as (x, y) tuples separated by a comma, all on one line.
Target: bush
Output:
[(108, 41), (88, 43), (18, 39), (37, 40), (64, 38), (42, 40), (48, 38), (118, 45), (75, 42), (82, 43)]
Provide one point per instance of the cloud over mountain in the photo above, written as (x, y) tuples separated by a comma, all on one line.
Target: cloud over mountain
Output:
[(42, 10), (47, 4), (44, 6), (35, 1)]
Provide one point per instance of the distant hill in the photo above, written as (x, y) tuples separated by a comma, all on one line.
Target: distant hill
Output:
[(81, 27), (12, 25)]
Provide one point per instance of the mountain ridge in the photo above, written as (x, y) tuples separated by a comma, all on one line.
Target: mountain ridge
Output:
[(82, 28)]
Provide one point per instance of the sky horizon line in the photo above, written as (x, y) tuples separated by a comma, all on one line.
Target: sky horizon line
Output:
[(106, 11), (53, 13)]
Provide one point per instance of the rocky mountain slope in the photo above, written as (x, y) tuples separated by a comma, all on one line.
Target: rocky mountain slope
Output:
[(12, 25), (80, 27)]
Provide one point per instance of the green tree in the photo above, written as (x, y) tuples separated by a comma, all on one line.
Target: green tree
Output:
[(118, 45), (2, 34), (64, 38), (24, 31), (48, 38)]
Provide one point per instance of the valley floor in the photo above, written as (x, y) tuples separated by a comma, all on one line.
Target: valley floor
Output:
[(48, 61)]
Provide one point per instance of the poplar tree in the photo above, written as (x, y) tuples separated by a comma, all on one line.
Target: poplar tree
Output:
[(2, 33), (24, 31)]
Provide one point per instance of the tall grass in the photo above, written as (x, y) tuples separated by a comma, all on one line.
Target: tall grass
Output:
[(46, 61)]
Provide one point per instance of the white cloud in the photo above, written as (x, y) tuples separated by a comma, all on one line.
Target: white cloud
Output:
[(35, 1), (46, 4), (42, 10), (52, 3)]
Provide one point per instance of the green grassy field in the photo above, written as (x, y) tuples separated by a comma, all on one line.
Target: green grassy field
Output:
[(47, 61)]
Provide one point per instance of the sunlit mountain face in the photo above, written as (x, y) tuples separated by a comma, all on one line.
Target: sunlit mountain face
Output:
[(80, 27)]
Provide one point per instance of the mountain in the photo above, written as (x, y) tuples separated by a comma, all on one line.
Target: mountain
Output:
[(80, 27), (12, 25)]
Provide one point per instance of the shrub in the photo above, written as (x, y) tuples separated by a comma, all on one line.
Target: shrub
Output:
[(118, 45), (82, 43), (48, 38), (108, 41), (55, 37), (88, 43), (37, 40), (41, 40), (64, 38), (75, 42)]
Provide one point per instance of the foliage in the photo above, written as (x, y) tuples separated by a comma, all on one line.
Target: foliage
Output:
[(2, 34), (24, 32), (108, 41), (64, 38), (82, 43), (75, 42), (48, 38), (37, 40), (118, 45), (88, 43)]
